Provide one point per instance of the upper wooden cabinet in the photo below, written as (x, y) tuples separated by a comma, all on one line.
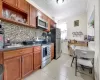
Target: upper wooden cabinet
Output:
[(11, 2), (23, 5), (12, 69), (24, 10), (27, 64), (33, 15), (44, 17), (53, 24)]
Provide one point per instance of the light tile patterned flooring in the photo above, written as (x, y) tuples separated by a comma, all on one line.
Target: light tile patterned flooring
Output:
[(58, 70)]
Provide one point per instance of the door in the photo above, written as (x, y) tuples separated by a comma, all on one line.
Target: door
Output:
[(37, 60), (33, 15), (23, 5), (11, 2), (12, 69), (27, 64)]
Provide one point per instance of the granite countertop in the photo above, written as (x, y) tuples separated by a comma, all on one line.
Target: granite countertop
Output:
[(20, 47)]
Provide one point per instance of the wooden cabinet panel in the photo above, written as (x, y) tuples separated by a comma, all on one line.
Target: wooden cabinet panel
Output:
[(49, 25), (37, 60), (37, 49), (52, 51), (1, 58), (27, 64), (53, 24), (27, 50), (23, 5), (12, 69), (11, 54), (44, 17), (11, 2), (33, 15), (0, 8)]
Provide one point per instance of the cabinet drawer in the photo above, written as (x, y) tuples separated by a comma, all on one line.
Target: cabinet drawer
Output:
[(37, 49), (26, 50), (10, 54)]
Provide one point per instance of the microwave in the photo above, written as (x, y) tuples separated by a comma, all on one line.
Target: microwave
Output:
[(41, 23)]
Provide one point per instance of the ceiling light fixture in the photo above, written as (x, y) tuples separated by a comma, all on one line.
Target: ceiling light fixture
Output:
[(60, 1)]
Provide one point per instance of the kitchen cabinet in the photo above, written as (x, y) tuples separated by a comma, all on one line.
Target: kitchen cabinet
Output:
[(49, 25), (0, 8), (37, 57), (44, 17), (21, 62), (27, 64), (52, 51), (11, 2), (1, 58), (33, 15), (53, 24), (37, 60), (23, 5), (12, 69)]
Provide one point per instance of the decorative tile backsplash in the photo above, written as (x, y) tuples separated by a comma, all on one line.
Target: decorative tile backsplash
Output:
[(17, 33)]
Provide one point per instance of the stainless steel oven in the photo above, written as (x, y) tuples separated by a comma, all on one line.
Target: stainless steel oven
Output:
[(41, 23), (46, 55)]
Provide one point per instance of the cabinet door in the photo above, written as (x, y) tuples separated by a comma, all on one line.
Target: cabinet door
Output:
[(27, 64), (1, 58), (49, 25), (52, 51), (23, 5), (12, 69), (37, 60), (33, 15), (11, 2), (44, 17)]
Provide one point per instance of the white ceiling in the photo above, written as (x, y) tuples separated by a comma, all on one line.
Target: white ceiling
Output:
[(64, 10)]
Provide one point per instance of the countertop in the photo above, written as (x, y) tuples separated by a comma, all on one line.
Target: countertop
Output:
[(20, 47)]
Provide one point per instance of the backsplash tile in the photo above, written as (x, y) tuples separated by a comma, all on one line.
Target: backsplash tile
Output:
[(17, 33)]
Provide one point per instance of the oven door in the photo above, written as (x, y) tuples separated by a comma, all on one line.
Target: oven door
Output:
[(44, 53)]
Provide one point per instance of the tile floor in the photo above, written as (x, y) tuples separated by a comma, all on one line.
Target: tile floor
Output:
[(58, 70)]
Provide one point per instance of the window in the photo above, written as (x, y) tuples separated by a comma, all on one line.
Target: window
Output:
[(63, 28)]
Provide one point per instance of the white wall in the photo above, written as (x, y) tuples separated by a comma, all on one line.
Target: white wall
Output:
[(91, 4), (82, 26)]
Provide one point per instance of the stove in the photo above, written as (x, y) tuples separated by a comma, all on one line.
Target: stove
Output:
[(46, 54)]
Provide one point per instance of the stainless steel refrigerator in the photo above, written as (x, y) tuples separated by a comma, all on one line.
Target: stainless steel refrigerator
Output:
[(56, 39)]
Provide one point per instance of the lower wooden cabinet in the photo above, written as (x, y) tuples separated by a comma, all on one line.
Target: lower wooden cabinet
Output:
[(12, 69), (37, 60), (20, 63), (52, 51), (27, 64)]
